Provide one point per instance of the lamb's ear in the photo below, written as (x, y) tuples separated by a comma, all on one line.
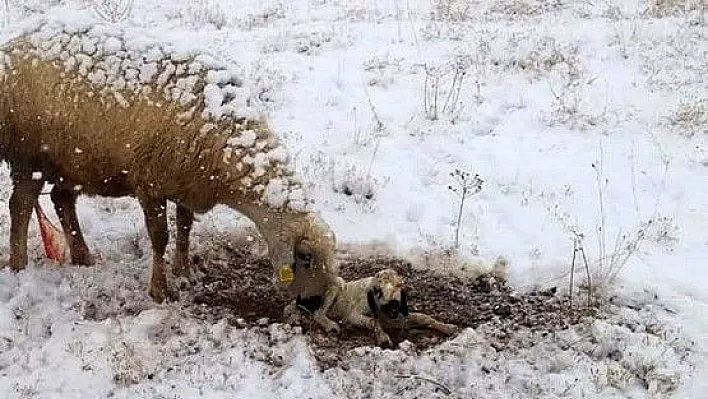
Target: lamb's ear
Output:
[(372, 303), (404, 303), (303, 255)]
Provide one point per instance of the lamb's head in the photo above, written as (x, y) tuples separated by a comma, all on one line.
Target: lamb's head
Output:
[(387, 294), (306, 265)]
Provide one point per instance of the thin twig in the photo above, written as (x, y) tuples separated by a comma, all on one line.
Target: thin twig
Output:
[(587, 271), (436, 90), (450, 93), (459, 220), (379, 128), (379, 125), (455, 88), (461, 77), (634, 181), (572, 272), (599, 175), (445, 389), (373, 157), (399, 21), (414, 30), (615, 253), (357, 133), (113, 10), (467, 185), (425, 91)]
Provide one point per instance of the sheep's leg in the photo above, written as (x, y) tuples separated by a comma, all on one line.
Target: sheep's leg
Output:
[(22, 201), (154, 211), (185, 219), (360, 320), (420, 320), (65, 205), (291, 313)]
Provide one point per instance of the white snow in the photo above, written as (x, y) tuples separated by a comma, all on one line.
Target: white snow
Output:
[(276, 194), (548, 90)]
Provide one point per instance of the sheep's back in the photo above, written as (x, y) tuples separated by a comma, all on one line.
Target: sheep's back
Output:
[(101, 104)]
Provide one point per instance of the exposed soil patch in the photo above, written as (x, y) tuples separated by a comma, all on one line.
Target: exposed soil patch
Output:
[(237, 286)]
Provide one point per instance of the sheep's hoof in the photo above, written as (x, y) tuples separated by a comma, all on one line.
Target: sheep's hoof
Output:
[(16, 266), (291, 314), (162, 294), (83, 260), (181, 268), (293, 319), (384, 341)]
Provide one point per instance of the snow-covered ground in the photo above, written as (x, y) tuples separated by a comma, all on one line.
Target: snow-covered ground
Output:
[(580, 117)]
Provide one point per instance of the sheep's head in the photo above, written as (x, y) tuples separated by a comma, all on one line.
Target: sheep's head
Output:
[(309, 267)]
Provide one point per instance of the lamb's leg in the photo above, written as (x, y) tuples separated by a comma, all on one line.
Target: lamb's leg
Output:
[(420, 320), (185, 218), (65, 205), (156, 221), (22, 201), (360, 320), (320, 315)]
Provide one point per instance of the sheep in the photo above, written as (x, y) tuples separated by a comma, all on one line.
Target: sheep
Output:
[(98, 110)]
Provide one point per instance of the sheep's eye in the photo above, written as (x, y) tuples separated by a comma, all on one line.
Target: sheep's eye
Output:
[(378, 292)]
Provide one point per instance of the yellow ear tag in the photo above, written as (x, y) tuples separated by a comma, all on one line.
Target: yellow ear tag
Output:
[(286, 274)]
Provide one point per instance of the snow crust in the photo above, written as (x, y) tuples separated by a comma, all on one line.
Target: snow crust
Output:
[(550, 90)]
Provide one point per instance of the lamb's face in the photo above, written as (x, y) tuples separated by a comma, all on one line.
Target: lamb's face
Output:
[(388, 295)]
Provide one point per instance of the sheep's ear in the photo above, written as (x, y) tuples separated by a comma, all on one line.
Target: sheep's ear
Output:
[(404, 303), (372, 303), (303, 255)]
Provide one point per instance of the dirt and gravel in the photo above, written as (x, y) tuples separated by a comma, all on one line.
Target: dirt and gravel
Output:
[(237, 286)]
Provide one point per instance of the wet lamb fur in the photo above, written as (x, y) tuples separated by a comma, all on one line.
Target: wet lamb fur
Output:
[(51, 123), (376, 303)]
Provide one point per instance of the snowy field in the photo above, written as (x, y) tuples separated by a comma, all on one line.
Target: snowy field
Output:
[(586, 120)]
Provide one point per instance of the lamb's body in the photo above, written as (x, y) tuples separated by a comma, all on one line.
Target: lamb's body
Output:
[(374, 303), (96, 112)]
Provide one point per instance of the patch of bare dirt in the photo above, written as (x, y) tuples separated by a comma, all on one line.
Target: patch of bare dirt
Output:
[(237, 286)]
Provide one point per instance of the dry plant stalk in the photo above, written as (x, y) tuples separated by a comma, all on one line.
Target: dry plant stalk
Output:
[(601, 236), (439, 385), (466, 186), (578, 247), (432, 92), (611, 261), (113, 11)]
